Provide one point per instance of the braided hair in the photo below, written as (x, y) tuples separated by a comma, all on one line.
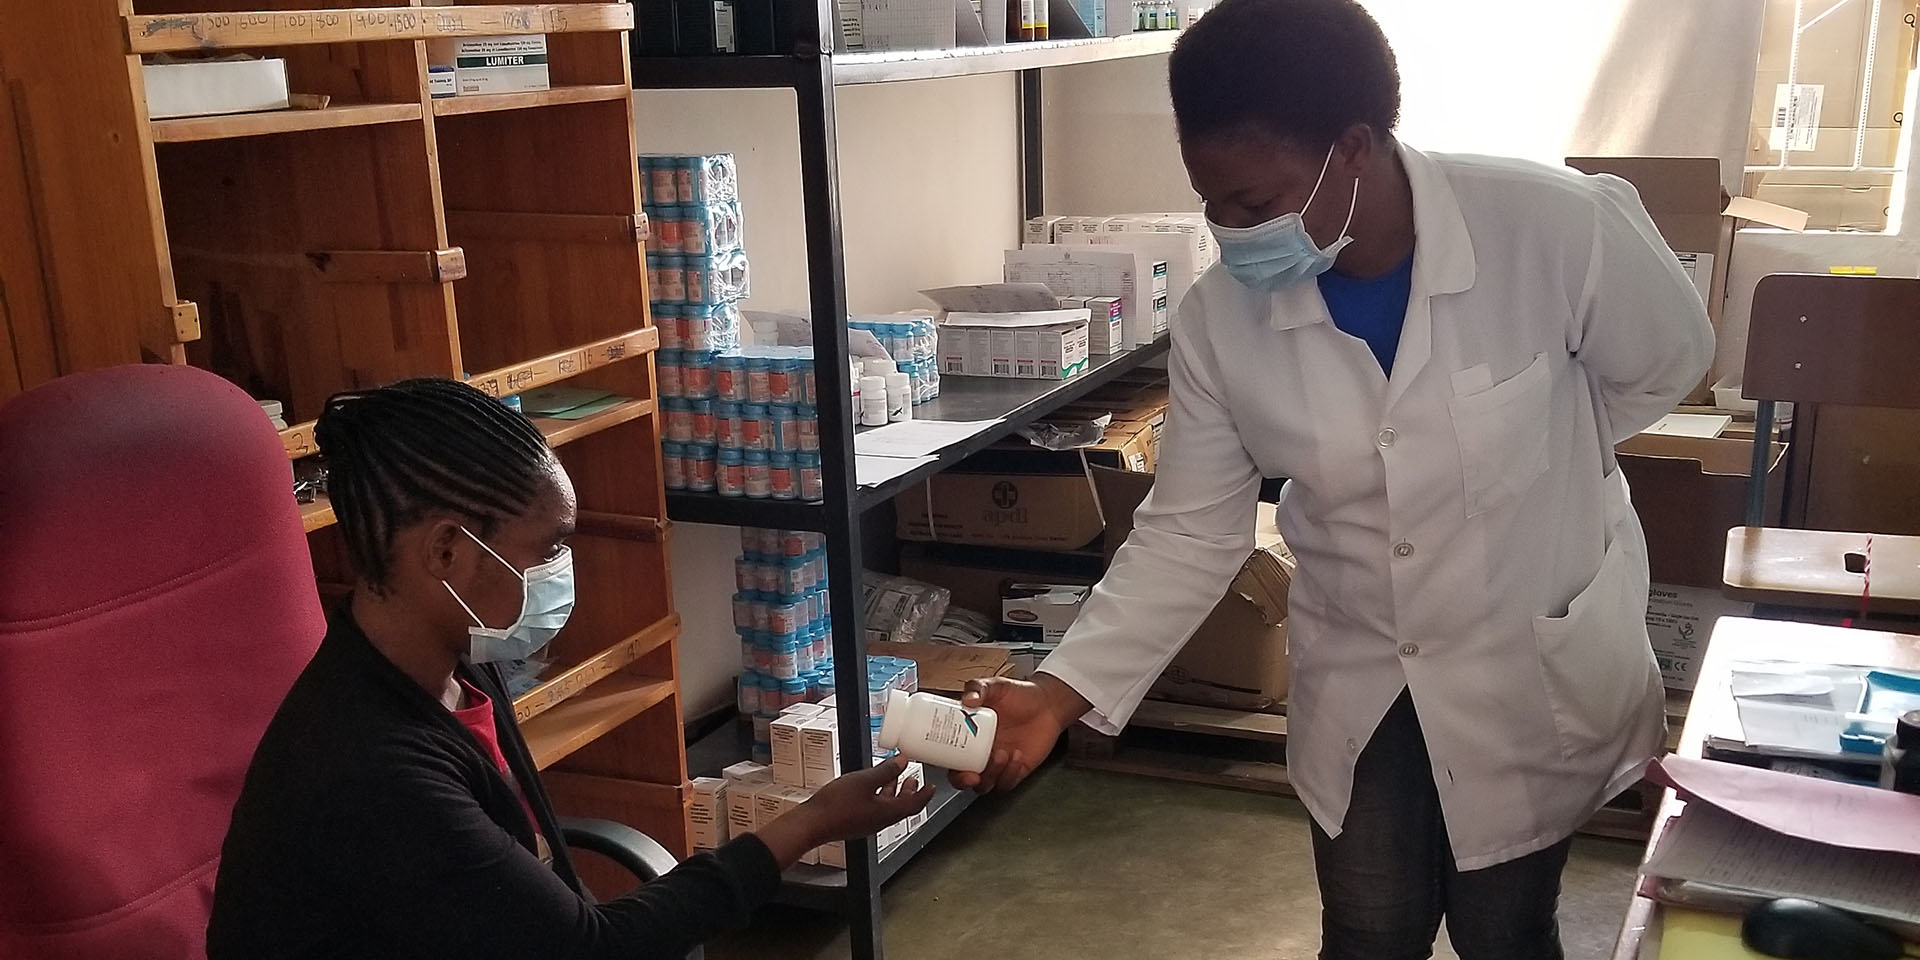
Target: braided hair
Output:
[(396, 453)]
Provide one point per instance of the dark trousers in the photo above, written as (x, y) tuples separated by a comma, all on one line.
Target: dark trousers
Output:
[(1389, 878)]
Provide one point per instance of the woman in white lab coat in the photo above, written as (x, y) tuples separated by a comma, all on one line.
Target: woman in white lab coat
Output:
[(1439, 352)]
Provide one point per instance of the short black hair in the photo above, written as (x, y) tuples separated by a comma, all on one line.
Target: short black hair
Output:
[(1301, 70), (396, 453)]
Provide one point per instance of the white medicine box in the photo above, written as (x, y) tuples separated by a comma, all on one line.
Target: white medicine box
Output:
[(202, 88), (708, 814), (488, 65)]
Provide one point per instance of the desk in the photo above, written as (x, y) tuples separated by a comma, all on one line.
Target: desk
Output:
[(1712, 713), (1807, 568)]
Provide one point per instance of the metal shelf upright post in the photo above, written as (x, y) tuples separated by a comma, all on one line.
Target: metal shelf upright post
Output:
[(812, 72)]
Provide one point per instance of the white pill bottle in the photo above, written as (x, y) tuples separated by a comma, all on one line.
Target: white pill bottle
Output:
[(938, 731)]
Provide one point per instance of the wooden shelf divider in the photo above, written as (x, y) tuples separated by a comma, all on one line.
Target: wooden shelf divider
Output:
[(190, 129), (557, 96), (390, 266), (564, 685), (555, 367), (167, 33), (585, 716)]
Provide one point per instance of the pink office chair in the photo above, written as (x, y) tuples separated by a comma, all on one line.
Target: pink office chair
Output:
[(156, 601)]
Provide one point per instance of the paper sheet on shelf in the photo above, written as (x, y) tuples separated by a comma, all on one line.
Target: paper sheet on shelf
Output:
[(1703, 425), (1708, 845), (994, 298), (1822, 811), (915, 438), (874, 471)]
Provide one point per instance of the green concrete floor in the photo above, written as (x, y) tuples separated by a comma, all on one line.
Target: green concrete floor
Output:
[(1079, 864)]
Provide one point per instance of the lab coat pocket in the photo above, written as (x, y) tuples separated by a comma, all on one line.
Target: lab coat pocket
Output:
[(1595, 661), (1502, 432)]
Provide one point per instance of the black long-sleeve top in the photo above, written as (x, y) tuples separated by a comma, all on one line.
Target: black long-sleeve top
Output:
[(372, 825)]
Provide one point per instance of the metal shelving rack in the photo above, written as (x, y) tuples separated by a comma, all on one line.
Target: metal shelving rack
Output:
[(812, 72)]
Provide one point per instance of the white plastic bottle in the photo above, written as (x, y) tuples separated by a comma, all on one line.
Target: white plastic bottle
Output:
[(938, 731), (873, 402), (899, 397)]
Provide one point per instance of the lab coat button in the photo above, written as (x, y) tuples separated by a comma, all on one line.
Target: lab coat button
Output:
[(1353, 746), (1403, 550), (1410, 650), (1385, 437)]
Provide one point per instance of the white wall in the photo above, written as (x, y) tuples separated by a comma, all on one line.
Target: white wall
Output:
[(929, 175), (1513, 77)]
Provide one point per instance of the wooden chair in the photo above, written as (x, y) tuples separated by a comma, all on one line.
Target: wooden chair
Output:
[(1819, 339)]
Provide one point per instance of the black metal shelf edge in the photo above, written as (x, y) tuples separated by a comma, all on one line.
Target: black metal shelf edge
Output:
[(1015, 402), (685, 507), (890, 66)]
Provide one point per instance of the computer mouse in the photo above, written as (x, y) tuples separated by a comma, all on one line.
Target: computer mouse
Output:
[(1804, 930)]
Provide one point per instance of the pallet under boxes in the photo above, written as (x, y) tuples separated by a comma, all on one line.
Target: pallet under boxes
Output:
[(1248, 751)]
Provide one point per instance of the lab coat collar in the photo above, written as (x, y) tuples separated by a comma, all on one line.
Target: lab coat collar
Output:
[(1442, 255)]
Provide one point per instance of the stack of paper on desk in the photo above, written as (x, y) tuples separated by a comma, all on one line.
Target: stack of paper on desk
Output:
[(1749, 835)]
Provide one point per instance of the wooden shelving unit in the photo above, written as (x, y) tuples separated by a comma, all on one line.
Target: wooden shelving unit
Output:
[(388, 235)]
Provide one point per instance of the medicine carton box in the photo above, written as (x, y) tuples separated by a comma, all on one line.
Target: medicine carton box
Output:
[(1090, 270), (897, 24), (747, 770), (820, 751), (785, 799), (1039, 344), (1106, 333), (784, 732), (915, 777), (1041, 612), (743, 805), (708, 815), (488, 65), (1040, 229)]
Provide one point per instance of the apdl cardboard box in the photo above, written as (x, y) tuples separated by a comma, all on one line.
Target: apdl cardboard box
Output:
[(1237, 660)]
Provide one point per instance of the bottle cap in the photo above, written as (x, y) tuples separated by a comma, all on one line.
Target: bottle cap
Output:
[(892, 720), (1906, 731)]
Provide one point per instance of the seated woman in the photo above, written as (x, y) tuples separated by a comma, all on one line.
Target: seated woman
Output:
[(380, 817)]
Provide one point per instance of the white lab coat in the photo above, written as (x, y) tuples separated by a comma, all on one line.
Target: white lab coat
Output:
[(1462, 528)]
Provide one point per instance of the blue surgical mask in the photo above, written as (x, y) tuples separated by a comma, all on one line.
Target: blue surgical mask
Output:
[(1279, 252), (546, 600)]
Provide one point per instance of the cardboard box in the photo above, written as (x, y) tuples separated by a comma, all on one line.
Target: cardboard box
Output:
[(820, 750), (1689, 491), (946, 668), (785, 734), (1041, 612), (1680, 620), (1073, 270), (977, 577), (488, 65), (201, 88), (1237, 660), (743, 804), (1028, 511), (1176, 250), (898, 25), (1040, 229), (1037, 345), (707, 815)]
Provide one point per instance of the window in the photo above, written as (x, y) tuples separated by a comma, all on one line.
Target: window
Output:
[(1827, 108)]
